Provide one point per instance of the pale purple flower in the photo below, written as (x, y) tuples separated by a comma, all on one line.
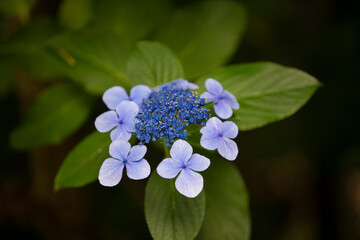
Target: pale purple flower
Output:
[(183, 161), (123, 154), (115, 95), (122, 119), (224, 100), (217, 135), (184, 84)]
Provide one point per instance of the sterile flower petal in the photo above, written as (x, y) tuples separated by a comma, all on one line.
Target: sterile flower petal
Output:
[(181, 150), (127, 111), (210, 97), (120, 132), (111, 172), (137, 152), (210, 142), (137, 170), (119, 149), (229, 129), (106, 121), (169, 168), (113, 96), (230, 99), (185, 84), (198, 162), (213, 86), (189, 183), (138, 93), (213, 124), (223, 110), (228, 149)]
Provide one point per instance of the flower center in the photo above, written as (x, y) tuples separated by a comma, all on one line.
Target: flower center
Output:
[(121, 122), (183, 166), (167, 112), (220, 134), (221, 97)]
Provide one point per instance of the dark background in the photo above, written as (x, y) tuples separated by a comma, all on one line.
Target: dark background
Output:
[(302, 173)]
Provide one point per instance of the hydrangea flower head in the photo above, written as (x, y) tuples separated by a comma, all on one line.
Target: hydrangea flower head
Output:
[(167, 112), (122, 119), (183, 161), (224, 100), (163, 114), (218, 135), (132, 158)]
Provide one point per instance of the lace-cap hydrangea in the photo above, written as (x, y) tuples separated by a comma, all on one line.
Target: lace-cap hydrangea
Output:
[(163, 115)]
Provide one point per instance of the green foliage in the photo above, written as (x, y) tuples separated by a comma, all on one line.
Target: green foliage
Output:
[(133, 18), (54, 115), (75, 14), (169, 214), (17, 8), (27, 49), (227, 210), (204, 35), (82, 164), (267, 92), (152, 64), (96, 60)]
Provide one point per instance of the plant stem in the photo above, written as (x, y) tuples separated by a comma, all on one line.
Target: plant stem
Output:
[(166, 151)]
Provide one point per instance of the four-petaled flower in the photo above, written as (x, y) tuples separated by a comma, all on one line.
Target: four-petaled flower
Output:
[(217, 135), (188, 182), (124, 155), (123, 118), (115, 95), (224, 100)]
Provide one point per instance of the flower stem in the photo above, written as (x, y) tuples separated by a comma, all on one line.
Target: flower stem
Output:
[(166, 151)]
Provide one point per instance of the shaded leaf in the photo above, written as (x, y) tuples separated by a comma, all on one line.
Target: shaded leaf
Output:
[(169, 214), (54, 115), (82, 164), (266, 91), (75, 14), (133, 18), (93, 59), (227, 209), (205, 34), (27, 49), (152, 64)]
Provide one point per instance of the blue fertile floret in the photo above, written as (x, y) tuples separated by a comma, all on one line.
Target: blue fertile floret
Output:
[(166, 112)]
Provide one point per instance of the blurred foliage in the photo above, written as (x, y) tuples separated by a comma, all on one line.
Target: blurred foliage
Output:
[(54, 115)]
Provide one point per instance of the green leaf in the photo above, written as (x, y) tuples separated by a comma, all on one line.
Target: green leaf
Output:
[(54, 115), (82, 164), (27, 49), (133, 18), (93, 59), (75, 14), (152, 64), (205, 34), (267, 92), (169, 214), (227, 209)]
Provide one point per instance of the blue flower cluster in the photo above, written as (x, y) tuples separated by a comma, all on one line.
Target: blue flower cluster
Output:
[(163, 114), (167, 112)]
